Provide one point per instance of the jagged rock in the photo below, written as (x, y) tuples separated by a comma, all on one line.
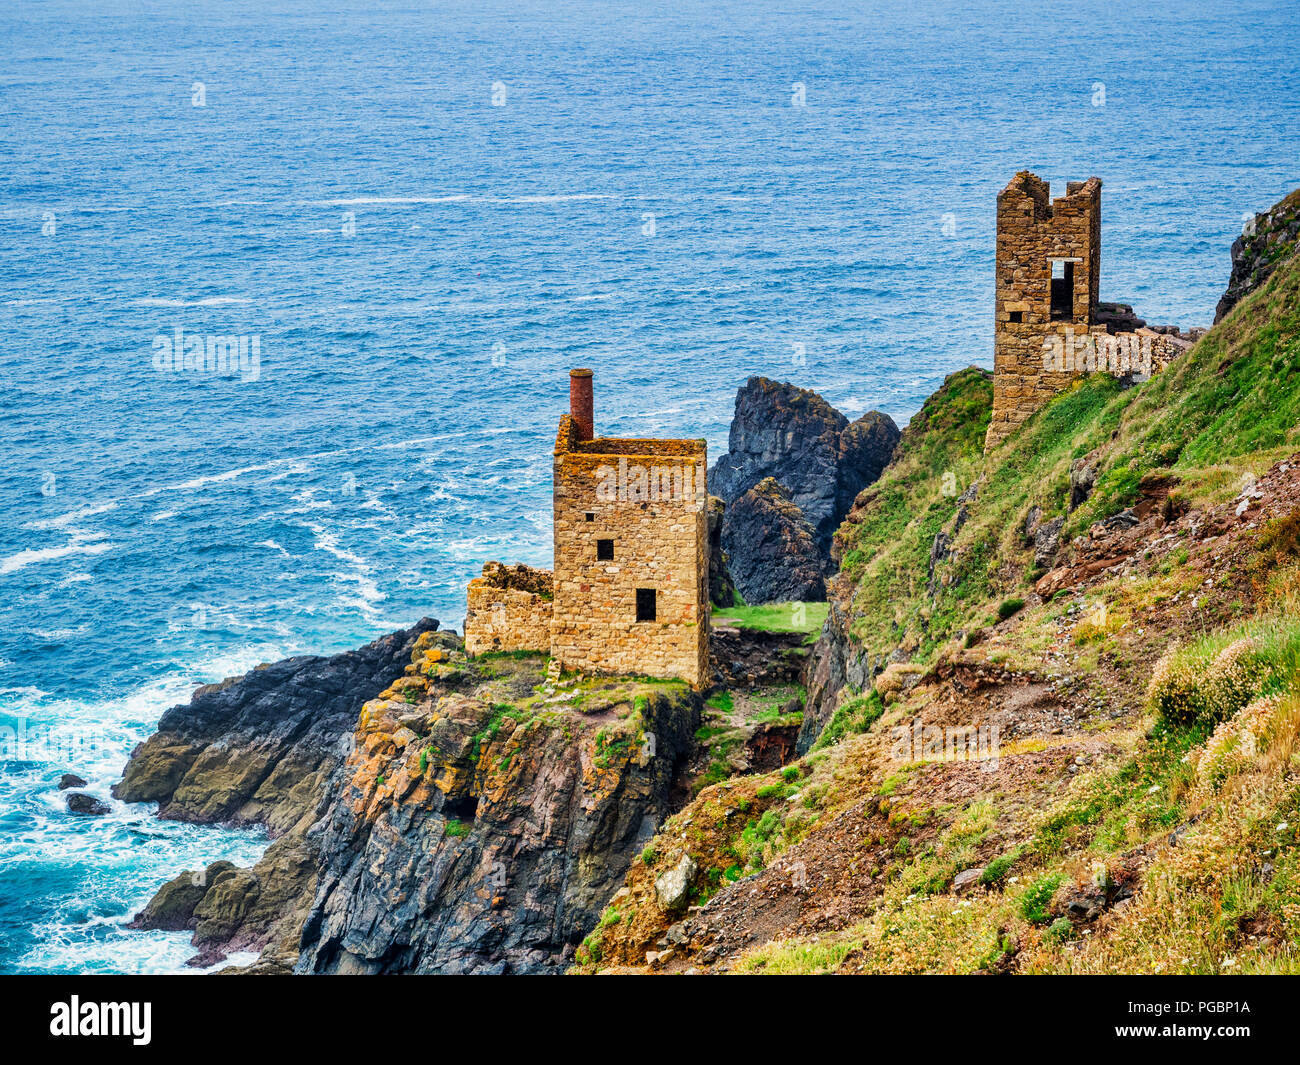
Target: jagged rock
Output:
[(939, 553), (838, 660), (1117, 318), (71, 780), (1268, 239), (673, 888), (795, 436), (1047, 541), (172, 907), (256, 749), (86, 805), (1083, 475), (772, 547), (1032, 521), (722, 592)]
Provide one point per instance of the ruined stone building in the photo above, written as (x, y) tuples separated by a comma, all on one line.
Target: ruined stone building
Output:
[(629, 589), (1049, 325)]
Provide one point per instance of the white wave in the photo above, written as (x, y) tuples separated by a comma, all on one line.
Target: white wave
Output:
[(368, 201), (78, 547), (401, 201), (206, 301), (64, 520)]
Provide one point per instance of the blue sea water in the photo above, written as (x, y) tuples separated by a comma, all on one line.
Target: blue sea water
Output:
[(425, 213)]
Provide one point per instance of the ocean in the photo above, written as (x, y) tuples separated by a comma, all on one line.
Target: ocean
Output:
[(396, 225)]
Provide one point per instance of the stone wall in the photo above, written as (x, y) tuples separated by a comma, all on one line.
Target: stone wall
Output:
[(509, 609), (646, 498), (1032, 231)]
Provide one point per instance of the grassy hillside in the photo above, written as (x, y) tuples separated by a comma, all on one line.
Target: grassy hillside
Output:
[(1141, 812), (1222, 413)]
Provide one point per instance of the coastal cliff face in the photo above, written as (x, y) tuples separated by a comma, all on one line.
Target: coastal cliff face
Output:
[(433, 813), (257, 749), (483, 830)]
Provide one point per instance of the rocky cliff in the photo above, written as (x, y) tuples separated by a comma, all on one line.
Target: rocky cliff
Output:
[(1268, 239), (257, 749), (794, 436), (1053, 718), (433, 813)]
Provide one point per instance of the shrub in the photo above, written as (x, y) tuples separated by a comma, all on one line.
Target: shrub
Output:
[(1009, 608), (1037, 898), (996, 871), (1190, 688), (1060, 930), (1237, 743)]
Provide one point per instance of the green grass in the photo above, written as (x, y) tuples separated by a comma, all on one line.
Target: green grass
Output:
[(855, 715), (775, 617), (1010, 607), (1229, 407)]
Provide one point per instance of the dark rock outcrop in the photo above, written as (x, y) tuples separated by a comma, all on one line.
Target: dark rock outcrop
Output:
[(772, 547), (257, 749), (838, 661), (444, 815), (492, 843), (172, 907), (795, 436), (754, 658), (722, 592), (1271, 237), (71, 780), (86, 805)]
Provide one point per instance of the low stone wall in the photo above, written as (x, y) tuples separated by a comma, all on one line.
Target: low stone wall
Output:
[(1023, 383), (509, 609)]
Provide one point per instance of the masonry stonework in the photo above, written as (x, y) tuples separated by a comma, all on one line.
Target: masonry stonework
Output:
[(509, 609), (629, 591), (1047, 330)]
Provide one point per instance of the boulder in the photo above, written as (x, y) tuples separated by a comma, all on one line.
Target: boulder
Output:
[(772, 547), (1047, 541), (86, 805), (71, 780), (1083, 476), (673, 888)]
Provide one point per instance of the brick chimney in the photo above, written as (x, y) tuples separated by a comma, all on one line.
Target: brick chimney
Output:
[(580, 403)]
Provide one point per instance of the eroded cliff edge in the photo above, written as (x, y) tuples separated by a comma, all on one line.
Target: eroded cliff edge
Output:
[(431, 814)]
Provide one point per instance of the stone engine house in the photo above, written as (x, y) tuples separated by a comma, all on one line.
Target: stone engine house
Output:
[(629, 589), (1049, 325)]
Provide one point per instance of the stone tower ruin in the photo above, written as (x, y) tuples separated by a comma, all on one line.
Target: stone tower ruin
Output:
[(629, 590), (1049, 326), (1048, 275)]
